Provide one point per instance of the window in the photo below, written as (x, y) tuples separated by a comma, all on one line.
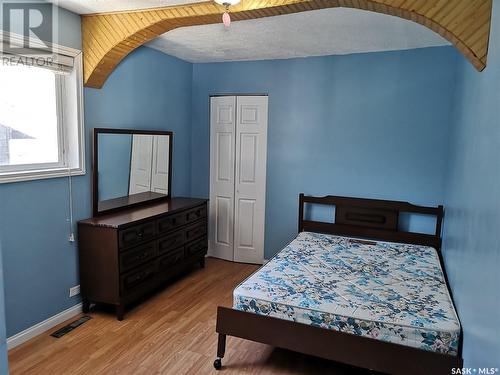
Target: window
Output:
[(29, 137), (41, 119)]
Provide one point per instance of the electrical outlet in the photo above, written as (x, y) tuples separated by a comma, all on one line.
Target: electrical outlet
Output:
[(74, 291), (71, 237)]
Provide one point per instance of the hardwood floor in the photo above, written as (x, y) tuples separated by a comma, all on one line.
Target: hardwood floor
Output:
[(173, 332)]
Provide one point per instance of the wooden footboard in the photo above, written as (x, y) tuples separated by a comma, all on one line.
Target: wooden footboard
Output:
[(337, 346)]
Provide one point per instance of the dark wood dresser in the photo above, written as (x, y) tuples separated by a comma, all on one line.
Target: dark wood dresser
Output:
[(127, 254)]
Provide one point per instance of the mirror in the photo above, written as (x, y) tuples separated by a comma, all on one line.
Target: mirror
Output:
[(131, 167)]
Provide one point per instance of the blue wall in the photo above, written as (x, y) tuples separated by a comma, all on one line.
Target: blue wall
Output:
[(472, 223), (115, 151), (148, 90), (368, 125)]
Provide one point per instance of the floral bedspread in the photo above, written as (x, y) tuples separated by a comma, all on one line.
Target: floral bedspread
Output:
[(386, 291)]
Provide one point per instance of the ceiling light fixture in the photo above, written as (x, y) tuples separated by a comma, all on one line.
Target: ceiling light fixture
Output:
[(226, 18)]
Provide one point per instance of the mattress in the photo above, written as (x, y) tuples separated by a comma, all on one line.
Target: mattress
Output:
[(386, 291)]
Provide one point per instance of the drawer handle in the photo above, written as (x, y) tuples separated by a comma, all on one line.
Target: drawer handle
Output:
[(171, 261), (170, 222), (142, 275), (168, 243), (195, 232), (140, 234), (172, 241), (196, 214), (195, 248), (144, 255)]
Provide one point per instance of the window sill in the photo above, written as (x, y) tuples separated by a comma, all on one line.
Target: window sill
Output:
[(40, 175)]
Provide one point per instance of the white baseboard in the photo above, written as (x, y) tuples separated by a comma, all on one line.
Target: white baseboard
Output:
[(37, 329)]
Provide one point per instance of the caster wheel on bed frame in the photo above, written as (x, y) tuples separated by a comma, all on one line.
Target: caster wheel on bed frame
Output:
[(218, 364)]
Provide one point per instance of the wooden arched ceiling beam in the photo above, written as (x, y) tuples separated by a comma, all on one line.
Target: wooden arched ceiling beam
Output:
[(108, 38)]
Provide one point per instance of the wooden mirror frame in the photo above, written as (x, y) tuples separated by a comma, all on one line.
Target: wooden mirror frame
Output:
[(95, 168)]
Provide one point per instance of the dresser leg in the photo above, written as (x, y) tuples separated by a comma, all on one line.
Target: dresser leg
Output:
[(85, 305), (202, 262), (120, 312)]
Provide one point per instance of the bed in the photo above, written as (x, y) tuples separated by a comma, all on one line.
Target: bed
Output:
[(359, 291)]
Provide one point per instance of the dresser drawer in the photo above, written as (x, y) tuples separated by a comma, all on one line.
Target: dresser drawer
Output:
[(136, 234), (137, 255), (171, 258), (170, 222), (196, 230), (196, 213), (138, 277), (196, 246), (171, 242)]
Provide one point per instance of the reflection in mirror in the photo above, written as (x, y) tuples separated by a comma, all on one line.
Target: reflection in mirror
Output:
[(132, 168)]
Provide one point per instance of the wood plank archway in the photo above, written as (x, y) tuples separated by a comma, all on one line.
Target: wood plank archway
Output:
[(109, 37)]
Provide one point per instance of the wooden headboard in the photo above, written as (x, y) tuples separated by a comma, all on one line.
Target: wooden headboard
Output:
[(371, 218)]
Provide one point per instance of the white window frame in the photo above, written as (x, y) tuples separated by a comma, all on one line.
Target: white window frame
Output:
[(71, 136)]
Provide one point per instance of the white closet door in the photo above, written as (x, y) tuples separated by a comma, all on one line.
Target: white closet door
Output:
[(222, 153), (159, 168), (250, 178), (140, 163)]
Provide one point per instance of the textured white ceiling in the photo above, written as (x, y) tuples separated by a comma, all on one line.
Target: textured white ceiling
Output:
[(100, 6), (335, 31)]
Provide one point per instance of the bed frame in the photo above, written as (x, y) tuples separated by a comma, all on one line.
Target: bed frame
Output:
[(357, 217)]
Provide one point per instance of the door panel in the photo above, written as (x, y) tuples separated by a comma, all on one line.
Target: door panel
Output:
[(250, 181), (222, 224), (248, 158), (159, 177), (140, 163), (249, 114), (222, 159), (246, 209), (225, 111)]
